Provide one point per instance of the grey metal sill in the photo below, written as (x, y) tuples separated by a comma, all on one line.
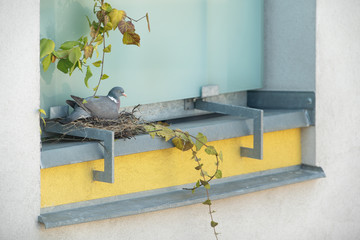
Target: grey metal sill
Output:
[(155, 200), (215, 127)]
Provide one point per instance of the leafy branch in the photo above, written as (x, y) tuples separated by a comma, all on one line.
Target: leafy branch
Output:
[(185, 142), (73, 55)]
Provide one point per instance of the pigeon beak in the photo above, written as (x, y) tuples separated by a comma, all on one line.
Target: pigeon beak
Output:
[(124, 94)]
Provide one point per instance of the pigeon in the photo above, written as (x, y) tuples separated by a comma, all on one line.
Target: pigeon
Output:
[(106, 107)]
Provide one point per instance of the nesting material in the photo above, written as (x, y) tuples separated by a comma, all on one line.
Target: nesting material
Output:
[(127, 125)]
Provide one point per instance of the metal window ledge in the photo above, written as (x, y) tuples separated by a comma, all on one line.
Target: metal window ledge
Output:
[(215, 127), (174, 196)]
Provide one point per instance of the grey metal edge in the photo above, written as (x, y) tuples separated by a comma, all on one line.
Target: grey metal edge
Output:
[(154, 200), (216, 128)]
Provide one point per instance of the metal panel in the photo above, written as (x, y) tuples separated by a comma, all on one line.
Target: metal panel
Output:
[(257, 116), (174, 196)]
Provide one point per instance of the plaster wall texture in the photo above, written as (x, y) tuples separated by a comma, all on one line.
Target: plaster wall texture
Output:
[(20, 101), (321, 209)]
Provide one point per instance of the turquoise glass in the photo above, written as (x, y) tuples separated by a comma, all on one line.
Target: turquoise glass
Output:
[(192, 43)]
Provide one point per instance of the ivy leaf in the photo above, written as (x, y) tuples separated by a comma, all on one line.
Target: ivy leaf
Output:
[(46, 62), (108, 26), (213, 224), (69, 45), (42, 111), (75, 55), (199, 167), (164, 131), (210, 150), (47, 46), (131, 38), (207, 186), (64, 65), (181, 144), (88, 51), (106, 7), (150, 129), (124, 26), (99, 38), (197, 183), (61, 53), (207, 202), (87, 76), (116, 16), (221, 156), (104, 76), (200, 141), (108, 48), (218, 174), (97, 63)]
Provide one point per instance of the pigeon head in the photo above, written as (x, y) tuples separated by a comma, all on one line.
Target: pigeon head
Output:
[(116, 93)]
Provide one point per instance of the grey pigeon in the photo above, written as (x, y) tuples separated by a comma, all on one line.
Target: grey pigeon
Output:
[(102, 106)]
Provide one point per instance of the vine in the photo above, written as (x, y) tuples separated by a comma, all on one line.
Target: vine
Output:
[(184, 142)]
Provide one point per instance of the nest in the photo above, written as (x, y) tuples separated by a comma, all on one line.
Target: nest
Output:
[(127, 125)]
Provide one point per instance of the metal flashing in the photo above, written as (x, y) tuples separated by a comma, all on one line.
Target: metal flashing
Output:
[(155, 200), (215, 127)]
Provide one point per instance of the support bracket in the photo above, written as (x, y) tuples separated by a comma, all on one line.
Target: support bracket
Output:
[(105, 136), (246, 112)]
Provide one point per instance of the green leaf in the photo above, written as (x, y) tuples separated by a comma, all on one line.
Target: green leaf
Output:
[(104, 76), (199, 167), (108, 48), (87, 76), (108, 26), (197, 183), (207, 202), (213, 224), (42, 111), (69, 45), (200, 141), (221, 155), (61, 53), (207, 186), (47, 46), (106, 7), (210, 150), (181, 144), (218, 174), (97, 63), (46, 62), (84, 101), (64, 65), (116, 16), (75, 55)]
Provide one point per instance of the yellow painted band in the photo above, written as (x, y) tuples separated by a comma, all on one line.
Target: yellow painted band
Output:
[(164, 168)]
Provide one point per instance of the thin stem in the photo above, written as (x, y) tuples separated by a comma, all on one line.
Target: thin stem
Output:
[(207, 193), (102, 66), (134, 19)]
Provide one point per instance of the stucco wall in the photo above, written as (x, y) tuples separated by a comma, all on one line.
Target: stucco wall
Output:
[(19, 131), (321, 209)]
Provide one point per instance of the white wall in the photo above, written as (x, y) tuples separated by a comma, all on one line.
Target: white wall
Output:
[(19, 130), (322, 209)]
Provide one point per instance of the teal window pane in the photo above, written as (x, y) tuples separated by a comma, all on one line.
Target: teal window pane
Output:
[(192, 43)]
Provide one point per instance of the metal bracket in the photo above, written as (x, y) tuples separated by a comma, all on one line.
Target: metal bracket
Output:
[(107, 137), (290, 100), (246, 112)]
